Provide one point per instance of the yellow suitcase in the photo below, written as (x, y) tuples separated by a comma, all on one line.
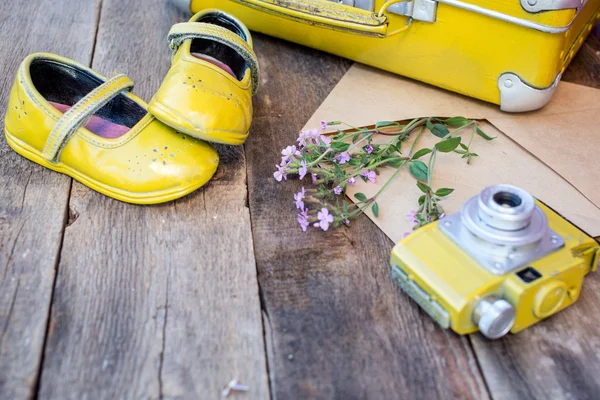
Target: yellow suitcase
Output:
[(505, 52)]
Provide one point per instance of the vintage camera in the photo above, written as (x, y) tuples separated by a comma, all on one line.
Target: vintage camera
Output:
[(503, 263)]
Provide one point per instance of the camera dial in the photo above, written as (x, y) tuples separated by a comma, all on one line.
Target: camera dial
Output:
[(494, 317)]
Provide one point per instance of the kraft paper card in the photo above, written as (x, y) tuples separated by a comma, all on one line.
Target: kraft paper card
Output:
[(550, 152)]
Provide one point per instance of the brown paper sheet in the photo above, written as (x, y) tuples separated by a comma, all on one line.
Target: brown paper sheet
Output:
[(549, 152)]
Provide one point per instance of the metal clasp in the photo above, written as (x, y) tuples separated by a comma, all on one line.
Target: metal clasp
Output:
[(420, 10)]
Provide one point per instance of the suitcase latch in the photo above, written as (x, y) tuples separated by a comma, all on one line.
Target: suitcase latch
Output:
[(420, 10)]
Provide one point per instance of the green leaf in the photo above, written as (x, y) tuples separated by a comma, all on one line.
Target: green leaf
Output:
[(421, 153), (375, 210), (438, 130), (448, 145), (483, 135), (443, 192), (340, 147), (460, 151), (418, 169), (423, 187), (396, 162), (345, 206), (354, 162), (421, 200), (355, 138), (464, 146), (383, 124), (360, 196), (338, 171), (457, 122)]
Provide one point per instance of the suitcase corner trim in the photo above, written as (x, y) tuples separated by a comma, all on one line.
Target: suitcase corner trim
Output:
[(518, 96)]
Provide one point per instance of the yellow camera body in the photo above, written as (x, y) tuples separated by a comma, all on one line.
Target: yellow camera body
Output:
[(468, 284)]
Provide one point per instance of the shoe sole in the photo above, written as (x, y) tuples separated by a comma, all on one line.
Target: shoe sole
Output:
[(163, 114), (145, 198)]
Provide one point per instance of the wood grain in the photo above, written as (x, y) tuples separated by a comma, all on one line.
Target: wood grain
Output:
[(337, 325), (33, 200), (557, 358), (162, 301)]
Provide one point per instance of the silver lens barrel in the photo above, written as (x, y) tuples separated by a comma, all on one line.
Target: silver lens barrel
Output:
[(505, 207), (504, 215)]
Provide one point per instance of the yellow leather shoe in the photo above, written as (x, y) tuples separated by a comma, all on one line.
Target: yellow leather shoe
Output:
[(208, 90), (122, 151)]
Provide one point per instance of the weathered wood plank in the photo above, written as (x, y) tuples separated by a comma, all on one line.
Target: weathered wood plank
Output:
[(557, 358), (161, 301), (33, 200), (337, 325)]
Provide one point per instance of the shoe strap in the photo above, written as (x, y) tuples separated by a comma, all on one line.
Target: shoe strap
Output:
[(85, 108), (201, 30)]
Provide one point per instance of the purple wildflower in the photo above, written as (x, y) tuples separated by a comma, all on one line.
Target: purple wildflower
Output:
[(299, 197), (290, 152), (304, 138), (303, 220), (351, 181), (342, 158), (302, 170), (326, 140), (324, 219), (369, 148), (314, 177), (323, 125), (412, 218), (280, 173), (405, 234), (370, 175), (337, 190)]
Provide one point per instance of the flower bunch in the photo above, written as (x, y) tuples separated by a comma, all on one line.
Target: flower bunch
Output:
[(333, 162)]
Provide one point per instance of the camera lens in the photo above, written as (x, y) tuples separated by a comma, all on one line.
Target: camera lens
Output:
[(505, 208), (507, 199)]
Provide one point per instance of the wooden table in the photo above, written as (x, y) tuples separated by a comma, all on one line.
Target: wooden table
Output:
[(105, 300)]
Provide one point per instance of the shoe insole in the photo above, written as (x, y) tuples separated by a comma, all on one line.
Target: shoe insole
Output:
[(97, 125), (216, 62)]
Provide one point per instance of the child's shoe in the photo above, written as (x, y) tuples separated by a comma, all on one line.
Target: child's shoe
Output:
[(70, 119), (208, 90)]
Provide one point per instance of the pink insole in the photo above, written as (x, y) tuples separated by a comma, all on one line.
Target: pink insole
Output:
[(97, 125), (216, 62), (110, 130)]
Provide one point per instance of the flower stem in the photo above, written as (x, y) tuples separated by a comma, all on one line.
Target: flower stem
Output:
[(387, 183), (412, 148)]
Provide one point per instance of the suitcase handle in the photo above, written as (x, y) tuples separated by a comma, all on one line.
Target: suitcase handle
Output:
[(325, 14)]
